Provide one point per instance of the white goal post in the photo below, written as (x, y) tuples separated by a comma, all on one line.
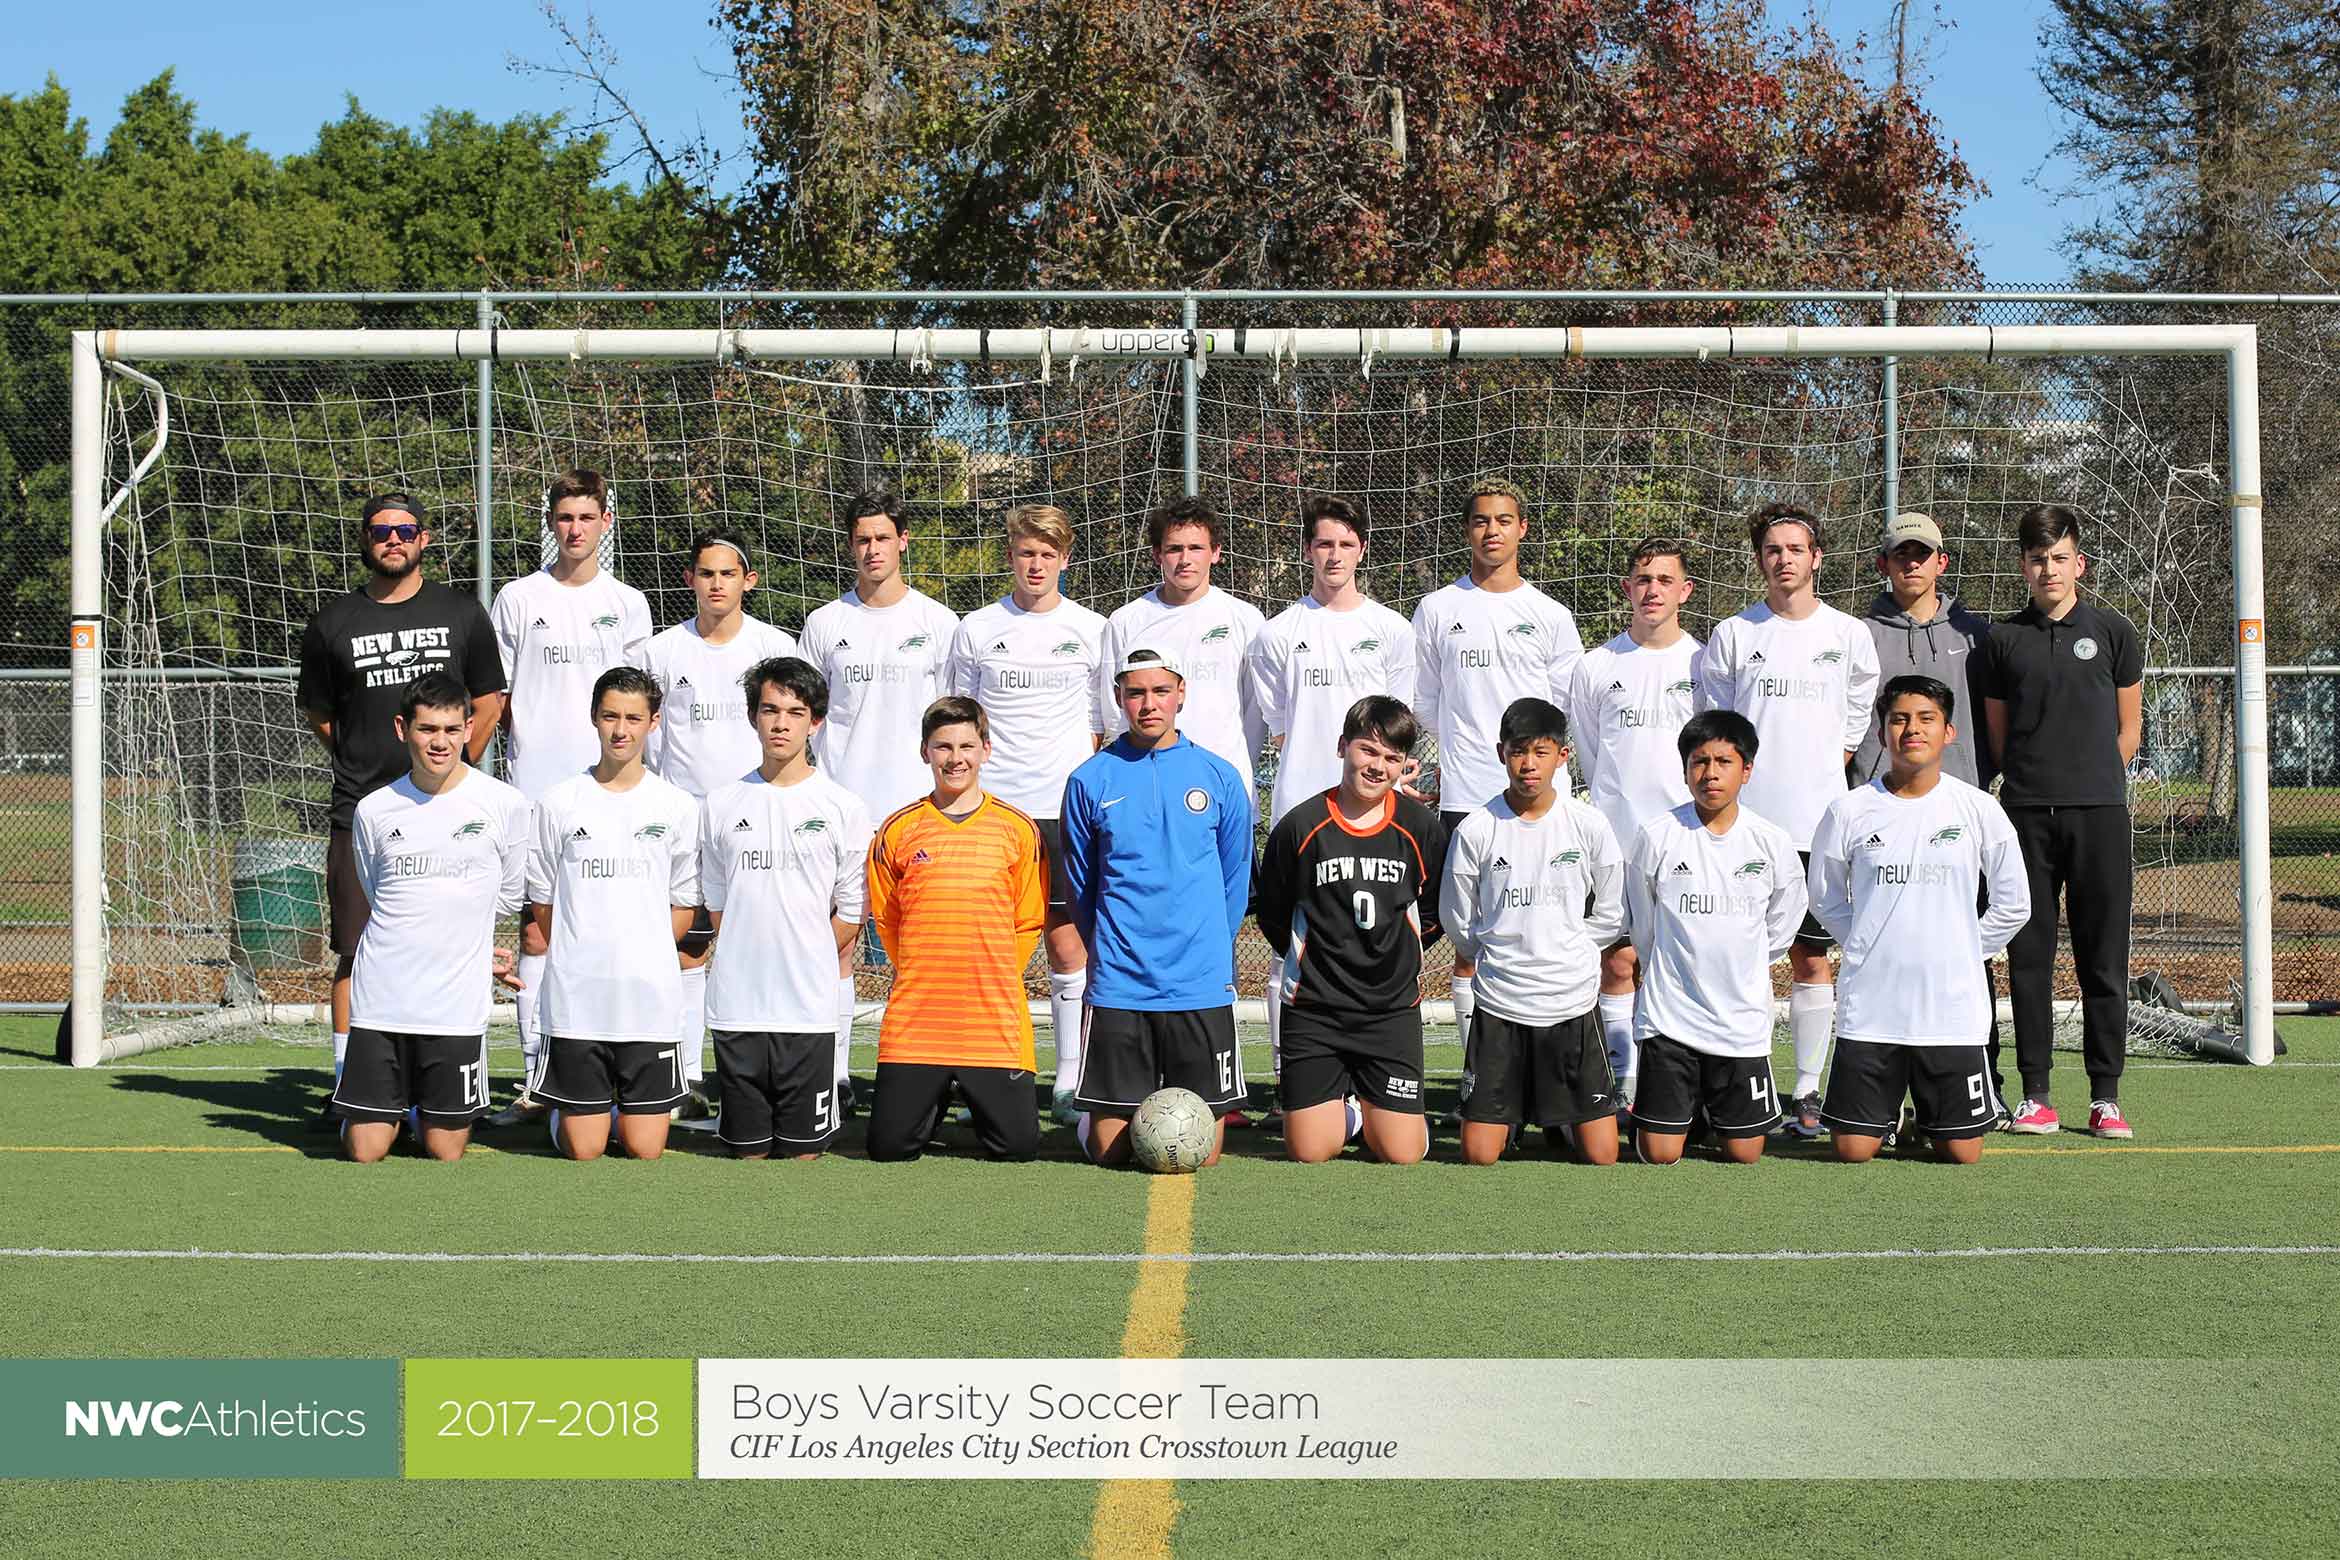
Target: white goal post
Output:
[(96, 353)]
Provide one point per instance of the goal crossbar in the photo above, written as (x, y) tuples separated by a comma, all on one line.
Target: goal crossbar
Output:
[(1197, 346)]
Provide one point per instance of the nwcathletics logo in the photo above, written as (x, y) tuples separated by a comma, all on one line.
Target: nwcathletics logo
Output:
[(1755, 868), (471, 830), (2084, 649), (914, 642), (1069, 647), (1197, 799), (1216, 634), (812, 826), (606, 620), (651, 831), (1948, 835), (1828, 658)]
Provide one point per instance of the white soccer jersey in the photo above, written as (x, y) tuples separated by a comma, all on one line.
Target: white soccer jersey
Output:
[(703, 738), (776, 862), (1476, 651), (613, 865), (884, 666), (1308, 665), (1710, 914), (556, 640), (1533, 902), (437, 871), (1806, 684), (1894, 880), (1210, 639), (1035, 674), (1626, 706)]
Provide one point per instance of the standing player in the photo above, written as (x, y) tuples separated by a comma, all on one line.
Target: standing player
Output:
[(1480, 645), (703, 739), (1627, 700), (1153, 824), (440, 852), (2063, 686), (1310, 665), (1030, 660), (1714, 895), (782, 853), (958, 890), (614, 884), (1803, 674), (358, 653), (1348, 895), (1920, 628), (882, 648), (1534, 891), (558, 630), (1898, 866)]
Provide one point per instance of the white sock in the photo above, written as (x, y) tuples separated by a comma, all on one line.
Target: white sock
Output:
[(484, 1090), (1275, 1002), (1464, 1004), (1617, 1034), (1353, 1114), (524, 1009), (845, 1000), (1066, 993), (340, 1050), (1811, 1022), (693, 1036), (1081, 1131)]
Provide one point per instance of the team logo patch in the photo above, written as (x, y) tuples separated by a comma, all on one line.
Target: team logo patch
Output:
[(1947, 836), (1069, 647), (471, 830), (1366, 646), (1523, 630), (1828, 658), (1216, 634), (1198, 800), (1684, 686), (402, 657), (606, 620), (2084, 649), (914, 642), (1568, 858), (812, 826), (651, 831), (1755, 868)]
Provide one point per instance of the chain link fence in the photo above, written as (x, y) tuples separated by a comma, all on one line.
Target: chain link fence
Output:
[(247, 524)]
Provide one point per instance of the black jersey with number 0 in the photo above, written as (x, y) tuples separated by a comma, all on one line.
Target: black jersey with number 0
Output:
[(1350, 909)]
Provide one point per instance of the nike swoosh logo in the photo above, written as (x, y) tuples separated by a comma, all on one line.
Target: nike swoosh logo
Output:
[(1116, 802)]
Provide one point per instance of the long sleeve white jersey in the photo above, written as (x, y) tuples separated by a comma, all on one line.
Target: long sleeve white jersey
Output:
[(1710, 914), (1894, 880), (1035, 674), (1807, 685), (1308, 665), (1210, 639), (1626, 706), (1476, 651), (556, 641), (437, 871), (1533, 902), (776, 862), (884, 666), (614, 865), (703, 738)]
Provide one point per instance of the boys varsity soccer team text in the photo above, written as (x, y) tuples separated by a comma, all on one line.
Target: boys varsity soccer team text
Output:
[(704, 826)]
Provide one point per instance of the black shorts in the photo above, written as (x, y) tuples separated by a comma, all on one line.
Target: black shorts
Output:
[(346, 909), (1059, 885), (385, 1074), (1555, 1075), (1677, 1082), (701, 936), (911, 1097), (1379, 1060), (1128, 1053), (777, 1088), (639, 1077), (1950, 1086), (1812, 933)]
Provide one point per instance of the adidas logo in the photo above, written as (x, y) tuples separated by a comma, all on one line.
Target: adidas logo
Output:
[(1682, 869), (921, 859), (1874, 842), (540, 623), (1501, 865), (743, 827), (844, 644), (1616, 687), (999, 644), (683, 680), (394, 836), (1755, 659), (582, 833), (1454, 628), (1300, 647)]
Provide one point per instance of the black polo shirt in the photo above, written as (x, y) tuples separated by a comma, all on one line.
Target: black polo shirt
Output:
[(2060, 681)]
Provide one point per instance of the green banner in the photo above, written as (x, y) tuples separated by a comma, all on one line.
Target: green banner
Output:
[(188, 1419), (549, 1419)]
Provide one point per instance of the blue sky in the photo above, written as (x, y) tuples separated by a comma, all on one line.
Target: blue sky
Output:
[(277, 70)]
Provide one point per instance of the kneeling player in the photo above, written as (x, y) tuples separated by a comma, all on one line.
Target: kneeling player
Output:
[(1534, 892), (1896, 870), (614, 885), (1349, 878), (1714, 895), (781, 855), (958, 892), (440, 853)]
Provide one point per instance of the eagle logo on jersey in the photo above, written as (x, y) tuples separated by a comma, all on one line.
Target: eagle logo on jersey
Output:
[(471, 830), (1215, 635), (914, 642), (813, 826), (1684, 686), (1198, 800), (1524, 630), (1755, 868), (403, 657), (651, 831), (606, 620), (1567, 858), (1828, 658), (1947, 836), (1069, 647), (1365, 646)]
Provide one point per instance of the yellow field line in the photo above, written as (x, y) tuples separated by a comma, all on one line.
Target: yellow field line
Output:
[(1135, 1517)]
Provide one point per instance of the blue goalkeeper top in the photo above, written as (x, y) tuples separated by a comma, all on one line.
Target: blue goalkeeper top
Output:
[(1157, 852)]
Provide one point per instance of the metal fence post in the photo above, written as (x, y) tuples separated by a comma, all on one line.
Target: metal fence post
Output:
[(1891, 433), (1193, 404)]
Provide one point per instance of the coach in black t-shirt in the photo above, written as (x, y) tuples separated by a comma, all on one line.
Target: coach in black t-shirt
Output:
[(358, 653), (2062, 685)]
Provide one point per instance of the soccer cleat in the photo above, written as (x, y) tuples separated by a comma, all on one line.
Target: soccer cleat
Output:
[(2106, 1121), (1238, 1121), (2036, 1118), (697, 1105), (1804, 1120), (1062, 1110), (1910, 1140), (525, 1107)]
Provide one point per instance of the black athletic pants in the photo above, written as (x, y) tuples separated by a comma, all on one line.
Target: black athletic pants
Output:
[(2081, 856)]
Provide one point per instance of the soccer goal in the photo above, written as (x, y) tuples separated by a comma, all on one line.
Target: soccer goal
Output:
[(216, 474)]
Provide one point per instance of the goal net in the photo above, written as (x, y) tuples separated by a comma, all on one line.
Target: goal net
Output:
[(213, 798)]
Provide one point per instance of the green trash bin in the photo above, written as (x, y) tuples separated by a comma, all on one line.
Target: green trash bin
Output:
[(279, 891)]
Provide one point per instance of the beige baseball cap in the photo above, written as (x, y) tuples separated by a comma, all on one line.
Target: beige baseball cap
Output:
[(1143, 660), (1910, 526)]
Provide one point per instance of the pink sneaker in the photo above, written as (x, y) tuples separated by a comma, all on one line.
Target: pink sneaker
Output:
[(2037, 1118), (2106, 1121)]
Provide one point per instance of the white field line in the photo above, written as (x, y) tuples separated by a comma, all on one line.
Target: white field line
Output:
[(1088, 1258), (860, 1048)]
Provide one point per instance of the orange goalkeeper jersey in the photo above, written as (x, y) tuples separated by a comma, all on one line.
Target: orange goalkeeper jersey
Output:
[(959, 904)]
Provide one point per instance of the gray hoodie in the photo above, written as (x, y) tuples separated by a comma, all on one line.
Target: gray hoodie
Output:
[(1939, 650)]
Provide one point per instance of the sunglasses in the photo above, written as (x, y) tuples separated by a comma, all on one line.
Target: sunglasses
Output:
[(384, 533)]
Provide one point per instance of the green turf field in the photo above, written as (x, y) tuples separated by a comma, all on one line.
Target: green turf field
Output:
[(209, 1148)]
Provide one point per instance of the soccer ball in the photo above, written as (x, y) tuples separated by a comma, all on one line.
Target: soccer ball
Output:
[(1173, 1132)]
